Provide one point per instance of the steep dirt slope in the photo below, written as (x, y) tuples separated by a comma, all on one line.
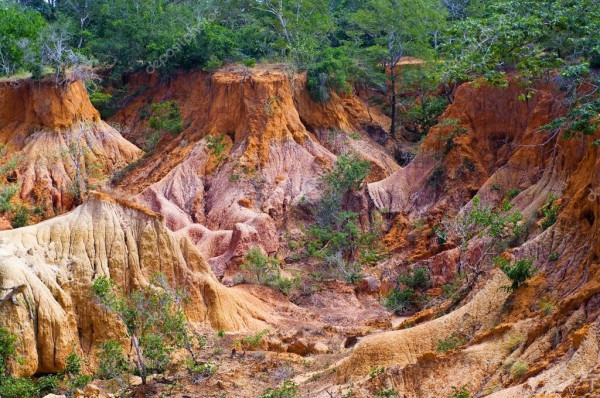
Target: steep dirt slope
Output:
[(488, 144), (542, 339), (48, 268), (277, 143), (46, 131)]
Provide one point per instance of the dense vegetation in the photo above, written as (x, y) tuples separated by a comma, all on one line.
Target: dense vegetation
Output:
[(338, 43)]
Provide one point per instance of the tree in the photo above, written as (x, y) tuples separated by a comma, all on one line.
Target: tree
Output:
[(19, 34), (8, 347), (153, 318), (389, 30), (480, 225), (536, 38), (336, 238), (303, 25)]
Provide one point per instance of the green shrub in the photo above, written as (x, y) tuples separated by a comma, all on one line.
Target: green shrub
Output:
[(47, 384), (376, 371), (103, 102), (11, 165), (550, 212), (151, 141), (513, 193), (401, 300), (203, 370), (166, 117), (289, 389), (553, 256), (518, 369), (79, 382), (17, 387), (7, 192), (21, 217), (417, 278), (249, 62), (254, 340), (111, 360), (216, 146), (8, 347), (348, 174), (212, 64), (266, 270), (462, 392), (386, 392), (449, 343), (73, 365), (518, 271), (421, 116), (153, 318), (260, 265), (329, 72)]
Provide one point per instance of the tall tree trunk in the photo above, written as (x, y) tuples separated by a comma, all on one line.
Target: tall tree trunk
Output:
[(393, 101), (141, 366)]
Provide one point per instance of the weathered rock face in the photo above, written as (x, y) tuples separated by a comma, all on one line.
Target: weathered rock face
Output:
[(277, 144), (45, 132), (488, 143), (48, 270), (553, 344)]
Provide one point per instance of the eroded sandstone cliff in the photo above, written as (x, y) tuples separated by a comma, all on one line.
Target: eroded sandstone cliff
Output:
[(51, 134)]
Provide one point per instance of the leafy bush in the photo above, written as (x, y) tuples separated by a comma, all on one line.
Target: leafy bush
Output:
[(254, 340), (518, 369), (20, 29), (266, 270), (330, 72), (47, 384), (7, 192), (462, 392), (386, 392), (216, 146), (153, 318), (376, 371), (401, 300), (104, 103), (550, 212), (417, 278), (21, 217), (424, 115), (166, 117), (498, 225), (249, 62), (156, 350), (289, 389), (111, 360), (260, 265), (518, 271), (336, 238), (212, 64), (449, 343), (348, 174), (8, 347), (202, 370), (73, 365), (17, 387), (78, 382), (513, 193)]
